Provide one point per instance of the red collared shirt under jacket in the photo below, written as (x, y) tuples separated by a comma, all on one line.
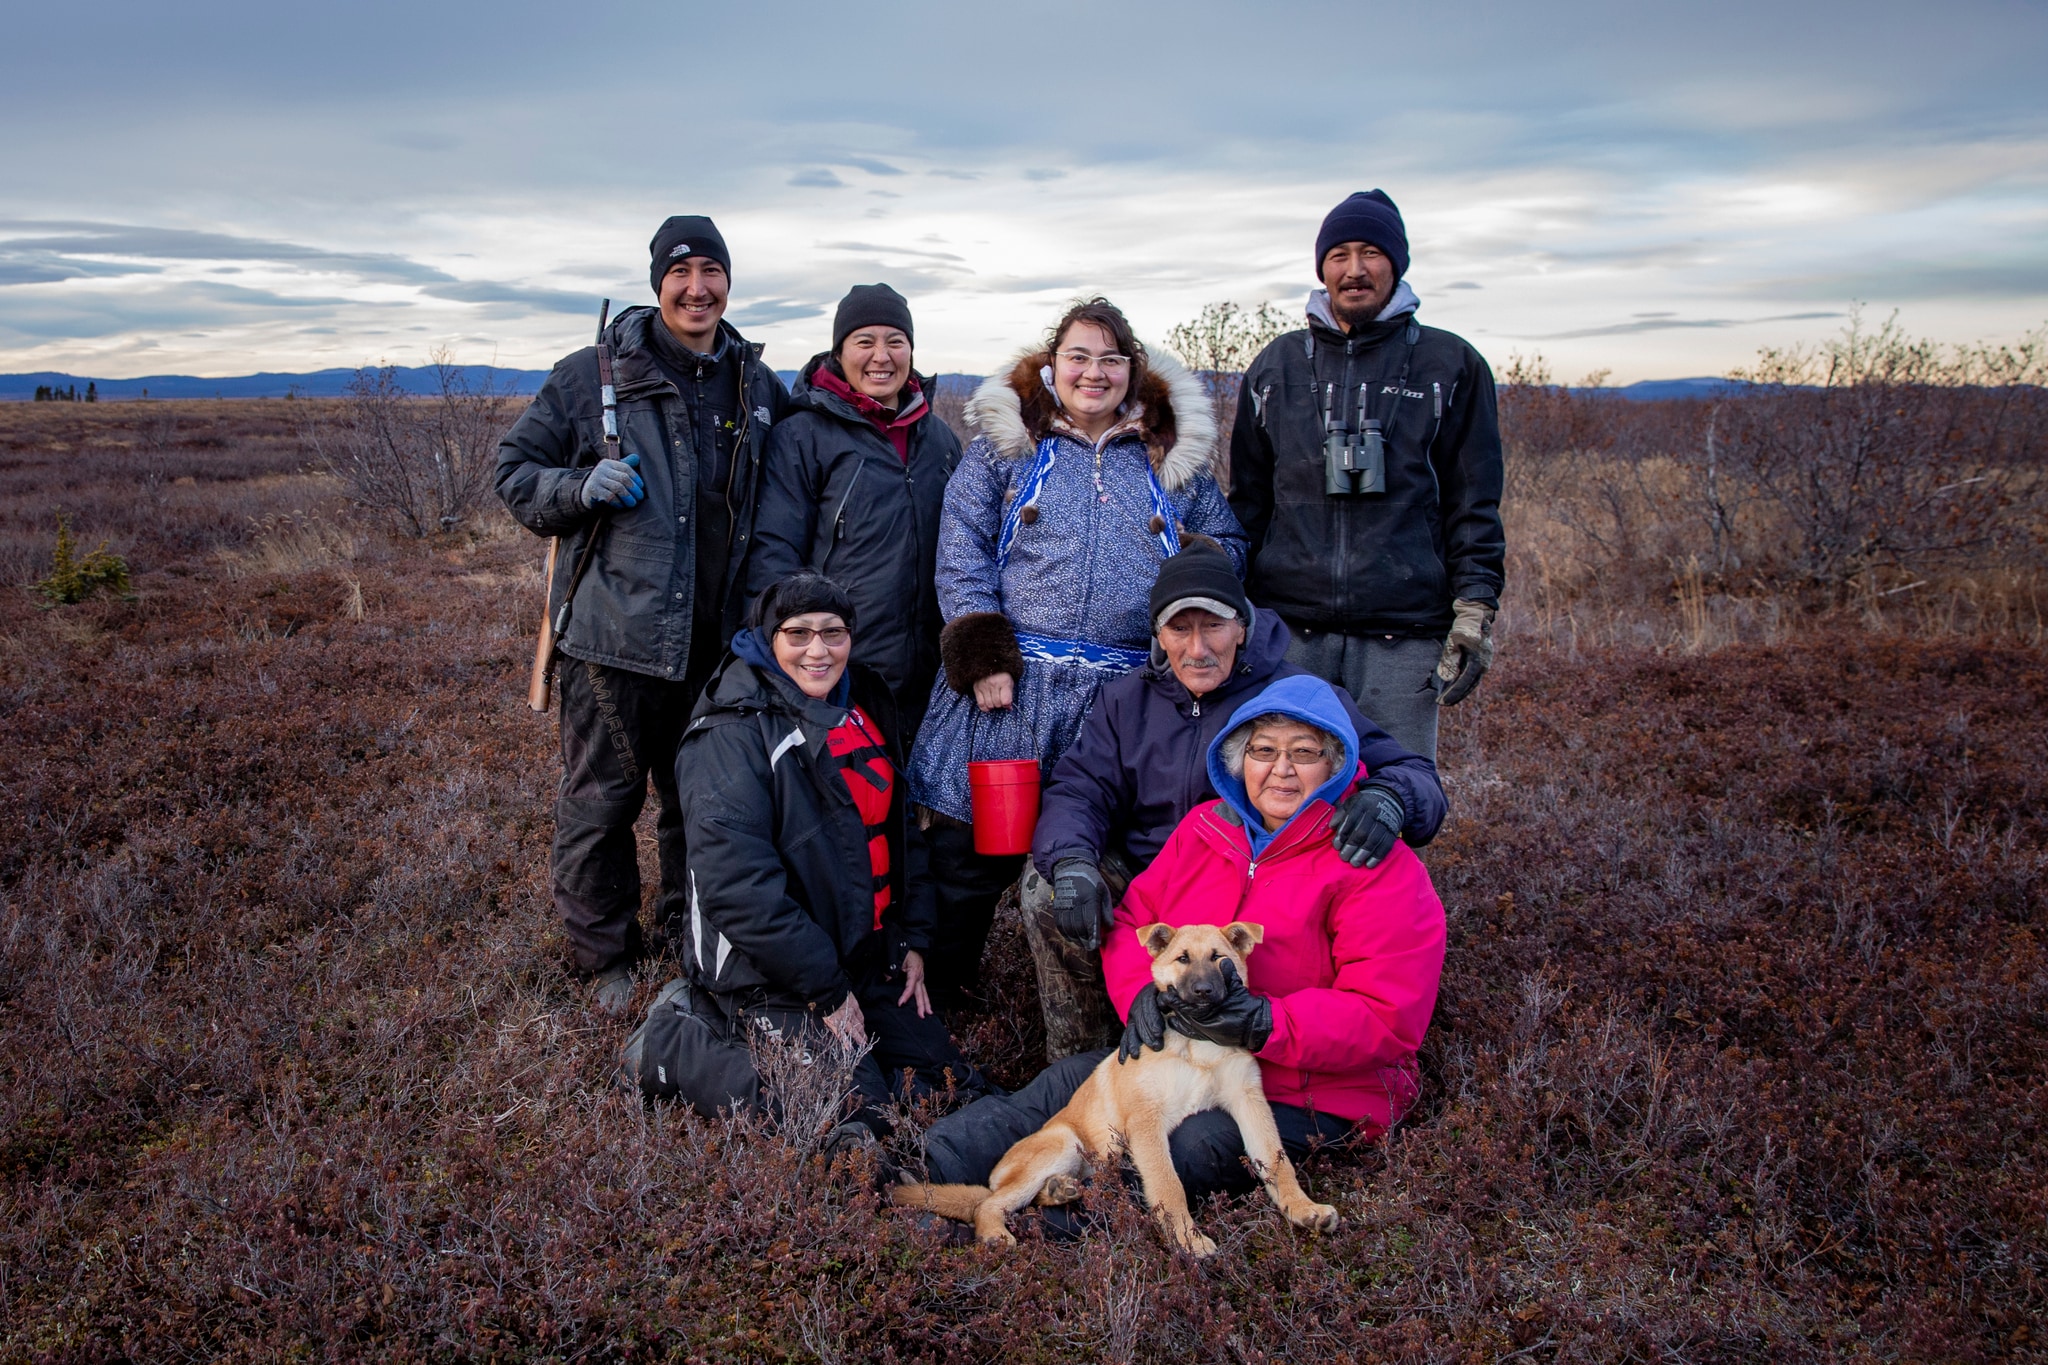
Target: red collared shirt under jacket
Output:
[(1351, 956)]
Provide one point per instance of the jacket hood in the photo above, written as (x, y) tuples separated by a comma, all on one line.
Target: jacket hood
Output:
[(1178, 423), (1303, 698), (750, 646), (1403, 302)]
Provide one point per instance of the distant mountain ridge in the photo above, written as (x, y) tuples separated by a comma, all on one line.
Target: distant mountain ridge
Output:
[(422, 379), (313, 384)]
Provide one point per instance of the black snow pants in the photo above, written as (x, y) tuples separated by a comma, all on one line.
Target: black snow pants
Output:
[(968, 885), (1208, 1152), (695, 1047), (619, 729)]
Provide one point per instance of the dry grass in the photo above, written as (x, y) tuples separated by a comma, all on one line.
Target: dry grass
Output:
[(1614, 550), (1740, 1056)]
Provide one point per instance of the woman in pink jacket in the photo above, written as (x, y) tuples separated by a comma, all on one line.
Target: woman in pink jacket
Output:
[(1339, 992), (1342, 986)]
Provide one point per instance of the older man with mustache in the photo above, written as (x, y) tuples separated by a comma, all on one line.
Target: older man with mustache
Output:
[(1138, 768)]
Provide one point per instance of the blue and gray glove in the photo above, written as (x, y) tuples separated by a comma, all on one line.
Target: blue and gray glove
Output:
[(614, 483), (1367, 823)]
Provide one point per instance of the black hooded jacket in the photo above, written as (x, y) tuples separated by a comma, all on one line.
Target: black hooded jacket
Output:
[(1374, 563), (637, 606), (781, 891), (835, 498), (1141, 761)]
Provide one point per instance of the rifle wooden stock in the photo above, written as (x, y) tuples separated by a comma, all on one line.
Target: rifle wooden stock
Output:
[(540, 685)]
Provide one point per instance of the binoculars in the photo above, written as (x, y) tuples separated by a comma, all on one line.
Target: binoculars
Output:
[(1354, 462)]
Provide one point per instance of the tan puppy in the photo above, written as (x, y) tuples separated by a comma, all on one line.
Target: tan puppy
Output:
[(1134, 1107)]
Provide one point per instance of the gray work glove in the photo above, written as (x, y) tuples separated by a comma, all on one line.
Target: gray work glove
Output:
[(1468, 650), (614, 483), (1367, 823), (1080, 902)]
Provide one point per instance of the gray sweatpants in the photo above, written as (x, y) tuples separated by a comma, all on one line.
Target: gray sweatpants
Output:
[(1391, 677)]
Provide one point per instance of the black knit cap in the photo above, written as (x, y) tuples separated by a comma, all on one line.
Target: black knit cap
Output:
[(870, 305), (1368, 216), (1201, 575), (681, 237), (798, 595)]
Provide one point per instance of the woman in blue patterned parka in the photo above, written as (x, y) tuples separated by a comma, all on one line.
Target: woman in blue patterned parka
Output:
[(1093, 462)]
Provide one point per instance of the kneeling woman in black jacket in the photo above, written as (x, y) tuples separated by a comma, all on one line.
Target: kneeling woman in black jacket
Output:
[(809, 908)]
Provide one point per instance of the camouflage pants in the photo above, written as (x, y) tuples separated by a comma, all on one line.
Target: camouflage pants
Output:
[(1078, 1015)]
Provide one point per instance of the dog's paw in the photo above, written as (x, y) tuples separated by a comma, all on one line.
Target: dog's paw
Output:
[(1060, 1189), (1197, 1245), (1005, 1238), (1321, 1217)]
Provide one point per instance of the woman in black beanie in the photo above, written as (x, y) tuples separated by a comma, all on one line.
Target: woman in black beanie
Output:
[(854, 481)]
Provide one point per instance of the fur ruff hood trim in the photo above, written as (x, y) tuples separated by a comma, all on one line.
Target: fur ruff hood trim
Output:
[(1015, 411)]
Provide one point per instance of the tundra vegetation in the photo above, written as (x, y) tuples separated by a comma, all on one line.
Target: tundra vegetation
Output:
[(1740, 1053)]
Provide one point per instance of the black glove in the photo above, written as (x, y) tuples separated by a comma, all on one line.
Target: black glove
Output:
[(1367, 823), (1239, 1019), (1145, 1028), (1080, 902)]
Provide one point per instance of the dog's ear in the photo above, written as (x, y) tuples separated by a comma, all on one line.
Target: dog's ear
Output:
[(1242, 936), (1155, 937)]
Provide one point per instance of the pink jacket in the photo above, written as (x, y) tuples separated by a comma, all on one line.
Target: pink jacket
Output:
[(1350, 959)]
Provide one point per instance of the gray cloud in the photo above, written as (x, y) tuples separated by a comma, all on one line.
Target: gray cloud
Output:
[(891, 250), (1042, 174), (156, 243), (154, 308), (1670, 322), (764, 312), (820, 178), (1923, 280), (44, 267), (871, 166), (542, 300)]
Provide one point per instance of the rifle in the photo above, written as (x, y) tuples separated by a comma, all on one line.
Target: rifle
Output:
[(540, 683)]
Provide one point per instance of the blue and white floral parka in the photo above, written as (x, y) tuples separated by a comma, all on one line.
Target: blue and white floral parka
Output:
[(1063, 537)]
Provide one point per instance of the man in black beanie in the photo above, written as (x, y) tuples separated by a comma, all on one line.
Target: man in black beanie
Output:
[(1137, 768), (664, 516), (1365, 466)]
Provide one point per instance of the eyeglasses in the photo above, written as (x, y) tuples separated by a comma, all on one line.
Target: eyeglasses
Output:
[(1300, 755), (1112, 365), (799, 637)]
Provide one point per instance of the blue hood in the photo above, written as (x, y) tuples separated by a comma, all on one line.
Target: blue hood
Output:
[(752, 646), (1306, 699)]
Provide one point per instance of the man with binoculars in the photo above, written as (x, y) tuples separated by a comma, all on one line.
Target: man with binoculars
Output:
[(1366, 469)]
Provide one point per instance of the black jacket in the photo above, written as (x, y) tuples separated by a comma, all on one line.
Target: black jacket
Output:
[(634, 608), (1366, 564), (781, 891), (1140, 763), (835, 498)]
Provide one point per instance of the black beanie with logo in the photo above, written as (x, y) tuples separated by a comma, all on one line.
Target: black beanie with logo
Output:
[(681, 237)]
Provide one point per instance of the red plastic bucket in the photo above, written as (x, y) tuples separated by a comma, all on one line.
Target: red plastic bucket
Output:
[(1005, 796)]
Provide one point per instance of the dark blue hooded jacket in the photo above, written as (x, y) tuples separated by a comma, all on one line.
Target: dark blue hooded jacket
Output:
[(1136, 769), (1311, 701)]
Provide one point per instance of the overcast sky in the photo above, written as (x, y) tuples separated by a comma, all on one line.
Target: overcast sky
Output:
[(217, 188)]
